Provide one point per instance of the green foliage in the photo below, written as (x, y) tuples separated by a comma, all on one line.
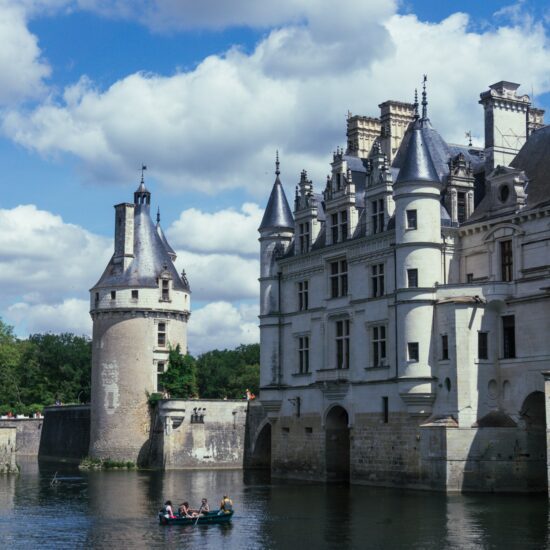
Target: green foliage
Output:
[(154, 398), (45, 367), (180, 379), (90, 463), (228, 373)]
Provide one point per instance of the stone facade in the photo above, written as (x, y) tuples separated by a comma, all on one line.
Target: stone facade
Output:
[(404, 311), (8, 438), (199, 433), (29, 431)]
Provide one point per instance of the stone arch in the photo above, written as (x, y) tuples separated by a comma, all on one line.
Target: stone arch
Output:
[(533, 416), (260, 456), (337, 444)]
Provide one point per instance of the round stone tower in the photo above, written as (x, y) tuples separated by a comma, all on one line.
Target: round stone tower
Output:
[(139, 307)]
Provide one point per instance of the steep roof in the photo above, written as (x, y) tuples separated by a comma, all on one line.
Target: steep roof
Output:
[(277, 212), (534, 159), (151, 258), (417, 163)]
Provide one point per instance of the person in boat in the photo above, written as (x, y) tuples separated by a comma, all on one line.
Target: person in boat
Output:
[(226, 505), (167, 510), (205, 508), (185, 511)]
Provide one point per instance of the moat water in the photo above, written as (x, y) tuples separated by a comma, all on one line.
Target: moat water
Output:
[(118, 509)]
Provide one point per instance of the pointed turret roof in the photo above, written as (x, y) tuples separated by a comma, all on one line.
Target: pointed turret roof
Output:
[(165, 242), (277, 212), (417, 164)]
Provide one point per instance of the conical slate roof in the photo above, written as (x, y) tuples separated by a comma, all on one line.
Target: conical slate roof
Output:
[(417, 164), (277, 212), (165, 242)]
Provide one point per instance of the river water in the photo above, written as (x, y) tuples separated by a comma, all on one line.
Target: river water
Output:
[(118, 510)]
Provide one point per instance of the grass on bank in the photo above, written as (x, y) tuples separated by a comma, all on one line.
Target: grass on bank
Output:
[(90, 463)]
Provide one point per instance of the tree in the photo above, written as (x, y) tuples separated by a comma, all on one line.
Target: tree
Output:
[(10, 358), (180, 379), (228, 373)]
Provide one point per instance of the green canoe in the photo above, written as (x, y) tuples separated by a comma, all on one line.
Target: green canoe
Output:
[(209, 518)]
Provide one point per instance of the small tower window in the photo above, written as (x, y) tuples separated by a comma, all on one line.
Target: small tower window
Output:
[(161, 335), (160, 371), (97, 297), (444, 347), (412, 349), (411, 219), (412, 278), (135, 294), (165, 290), (113, 294)]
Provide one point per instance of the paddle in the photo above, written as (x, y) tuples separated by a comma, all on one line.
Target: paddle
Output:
[(198, 516)]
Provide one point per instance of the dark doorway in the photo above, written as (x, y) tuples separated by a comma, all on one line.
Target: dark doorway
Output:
[(337, 445), (261, 457), (533, 415)]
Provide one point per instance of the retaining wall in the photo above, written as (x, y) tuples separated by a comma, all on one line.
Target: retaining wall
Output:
[(65, 433), (29, 431)]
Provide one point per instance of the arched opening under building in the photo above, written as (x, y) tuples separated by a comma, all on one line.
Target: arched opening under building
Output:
[(261, 455), (337, 445), (533, 414)]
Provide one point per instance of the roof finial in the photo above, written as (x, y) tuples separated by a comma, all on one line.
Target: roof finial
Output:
[(143, 168), (415, 103), (158, 214), (277, 171), (424, 99), (469, 136)]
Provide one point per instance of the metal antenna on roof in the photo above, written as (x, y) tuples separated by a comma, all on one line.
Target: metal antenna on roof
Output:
[(416, 104), (143, 168), (469, 136), (277, 171), (424, 99)]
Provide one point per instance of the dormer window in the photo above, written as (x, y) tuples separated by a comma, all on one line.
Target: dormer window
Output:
[(339, 226), (165, 290), (113, 294), (304, 233), (135, 294)]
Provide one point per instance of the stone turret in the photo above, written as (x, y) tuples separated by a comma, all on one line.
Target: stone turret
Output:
[(139, 307), (417, 194), (276, 232)]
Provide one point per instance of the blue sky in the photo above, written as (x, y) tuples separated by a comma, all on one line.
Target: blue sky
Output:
[(204, 93)]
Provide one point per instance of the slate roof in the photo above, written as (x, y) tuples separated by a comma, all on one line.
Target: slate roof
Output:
[(417, 164), (277, 212), (534, 159), (151, 258)]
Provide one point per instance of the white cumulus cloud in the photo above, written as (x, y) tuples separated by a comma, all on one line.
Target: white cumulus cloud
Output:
[(223, 231), (220, 325)]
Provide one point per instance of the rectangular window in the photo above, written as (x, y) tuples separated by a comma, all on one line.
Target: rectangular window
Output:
[(342, 344), (378, 346), (385, 409), (303, 295), (338, 278), (461, 207), (377, 280), (334, 228), (160, 371), (113, 294), (506, 260), (412, 349), (97, 296), (508, 336), (161, 334), (303, 354), (411, 219), (304, 234), (469, 277), (165, 290), (483, 345), (444, 347), (412, 278), (377, 215), (134, 294), (344, 225)]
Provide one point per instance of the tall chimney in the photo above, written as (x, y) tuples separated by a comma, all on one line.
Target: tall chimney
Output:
[(124, 234)]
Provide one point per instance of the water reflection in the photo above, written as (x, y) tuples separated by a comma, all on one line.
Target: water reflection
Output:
[(107, 509)]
